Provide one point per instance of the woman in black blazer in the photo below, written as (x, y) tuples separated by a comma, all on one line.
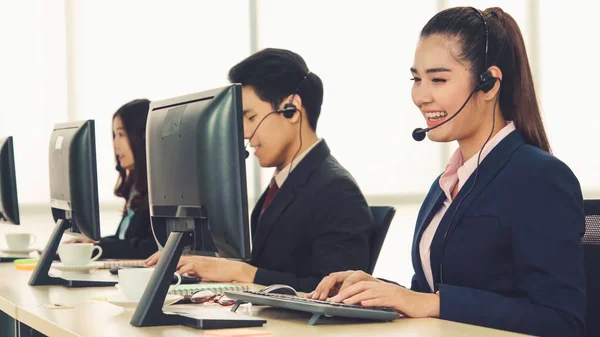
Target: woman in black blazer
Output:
[(134, 239), (498, 237)]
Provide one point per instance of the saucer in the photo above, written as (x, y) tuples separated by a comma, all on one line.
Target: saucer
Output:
[(122, 301), (85, 268), (25, 251)]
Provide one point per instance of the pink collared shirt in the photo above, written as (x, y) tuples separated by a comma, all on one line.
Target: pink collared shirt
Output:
[(457, 171)]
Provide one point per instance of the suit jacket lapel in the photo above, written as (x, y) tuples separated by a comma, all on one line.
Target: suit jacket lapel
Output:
[(431, 205), (489, 168), (285, 196), (255, 217)]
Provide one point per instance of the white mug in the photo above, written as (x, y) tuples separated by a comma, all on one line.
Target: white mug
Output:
[(78, 254), (133, 281), (19, 241)]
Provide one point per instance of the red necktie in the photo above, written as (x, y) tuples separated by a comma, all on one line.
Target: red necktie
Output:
[(273, 188)]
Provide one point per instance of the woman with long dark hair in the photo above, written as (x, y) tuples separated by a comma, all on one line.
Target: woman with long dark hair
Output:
[(498, 237), (134, 239)]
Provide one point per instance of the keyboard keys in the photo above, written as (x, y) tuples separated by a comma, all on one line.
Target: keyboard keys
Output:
[(310, 300), (316, 307)]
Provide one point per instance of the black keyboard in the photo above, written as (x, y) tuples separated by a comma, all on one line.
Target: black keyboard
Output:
[(316, 307)]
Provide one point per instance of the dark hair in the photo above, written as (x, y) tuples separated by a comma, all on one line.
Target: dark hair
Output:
[(274, 74), (133, 116), (506, 50)]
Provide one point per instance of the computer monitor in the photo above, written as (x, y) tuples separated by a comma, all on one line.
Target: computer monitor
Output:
[(73, 177), (9, 202), (197, 191), (197, 172), (73, 194)]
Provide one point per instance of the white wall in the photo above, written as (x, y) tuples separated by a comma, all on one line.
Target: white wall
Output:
[(569, 85), (33, 92), (149, 49)]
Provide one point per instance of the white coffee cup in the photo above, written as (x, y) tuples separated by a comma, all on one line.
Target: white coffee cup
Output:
[(133, 281), (78, 254), (19, 241)]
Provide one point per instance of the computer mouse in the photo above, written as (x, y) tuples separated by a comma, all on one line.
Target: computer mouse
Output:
[(279, 289), (186, 279)]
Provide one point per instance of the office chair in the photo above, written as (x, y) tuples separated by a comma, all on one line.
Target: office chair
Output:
[(383, 216), (591, 258)]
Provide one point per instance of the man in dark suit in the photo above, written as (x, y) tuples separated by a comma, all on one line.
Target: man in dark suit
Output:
[(312, 219)]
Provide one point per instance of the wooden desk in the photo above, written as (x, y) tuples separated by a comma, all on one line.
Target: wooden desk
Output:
[(95, 318), (91, 318), (15, 291)]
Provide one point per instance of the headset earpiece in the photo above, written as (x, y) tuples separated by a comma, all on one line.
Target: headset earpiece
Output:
[(486, 81), (288, 110)]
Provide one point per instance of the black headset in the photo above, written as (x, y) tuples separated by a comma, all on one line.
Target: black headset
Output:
[(486, 83), (486, 79), (289, 109)]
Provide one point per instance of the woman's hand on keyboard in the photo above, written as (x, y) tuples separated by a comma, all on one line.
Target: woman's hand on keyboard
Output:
[(339, 281), (382, 294)]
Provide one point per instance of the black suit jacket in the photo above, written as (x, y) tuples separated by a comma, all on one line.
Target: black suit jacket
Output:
[(317, 223), (138, 243)]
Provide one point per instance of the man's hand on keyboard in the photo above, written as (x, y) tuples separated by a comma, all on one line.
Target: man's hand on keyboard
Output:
[(80, 240), (339, 281), (211, 268), (152, 260), (216, 269)]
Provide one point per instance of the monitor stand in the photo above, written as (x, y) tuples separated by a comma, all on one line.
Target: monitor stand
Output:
[(149, 311), (40, 276)]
